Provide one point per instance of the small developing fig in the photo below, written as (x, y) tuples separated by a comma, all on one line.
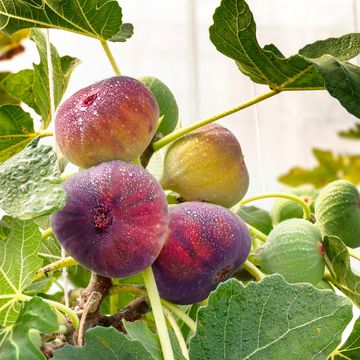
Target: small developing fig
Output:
[(205, 244), (337, 212), (207, 165), (294, 250), (115, 219), (168, 108), (113, 119), (284, 209)]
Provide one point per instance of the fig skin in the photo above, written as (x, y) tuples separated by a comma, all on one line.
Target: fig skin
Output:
[(113, 119), (115, 219), (205, 244), (284, 209), (337, 212), (207, 165), (294, 250)]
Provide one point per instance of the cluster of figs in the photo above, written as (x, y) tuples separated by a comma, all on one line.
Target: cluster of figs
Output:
[(117, 220)]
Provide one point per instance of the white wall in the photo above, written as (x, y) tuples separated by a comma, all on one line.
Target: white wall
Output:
[(171, 42)]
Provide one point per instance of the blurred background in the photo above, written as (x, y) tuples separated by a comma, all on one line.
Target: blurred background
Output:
[(171, 42)]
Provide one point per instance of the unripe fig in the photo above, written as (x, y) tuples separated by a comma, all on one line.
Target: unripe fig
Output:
[(337, 212), (168, 108), (284, 209), (207, 165), (113, 119), (115, 219), (205, 244), (294, 250)]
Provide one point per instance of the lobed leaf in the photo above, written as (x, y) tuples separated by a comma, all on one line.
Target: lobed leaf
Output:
[(256, 217), (30, 183), (18, 264), (104, 344), (338, 262), (351, 348), (353, 133), (271, 319), (15, 342)]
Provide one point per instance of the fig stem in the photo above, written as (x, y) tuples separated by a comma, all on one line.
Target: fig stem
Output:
[(45, 133), (256, 233), (183, 131), (47, 233), (140, 290), (299, 200), (177, 332), (158, 313), (56, 265), (110, 57), (353, 253), (253, 270)]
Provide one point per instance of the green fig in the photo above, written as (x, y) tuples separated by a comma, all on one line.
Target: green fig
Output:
[(284, 209), (207, 165), (168, 107), (337, 212), (294, 250)]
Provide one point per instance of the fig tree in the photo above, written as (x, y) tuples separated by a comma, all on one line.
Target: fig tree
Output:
[(294, 250), (337, 212), (205, 244), (207, 165), (113, 119), (115, 219)]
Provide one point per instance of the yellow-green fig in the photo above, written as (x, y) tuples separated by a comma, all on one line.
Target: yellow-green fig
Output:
[(337, 212), (207, 165)]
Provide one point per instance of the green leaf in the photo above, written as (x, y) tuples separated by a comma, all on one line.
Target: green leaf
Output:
[(16, 130), (126, 32), (18, 265), (269, 320), (234, 34), (5, 98), (353, 133), (342, 81), (330, 167), (338, 262), (30, 183), (256, 217), (343, 48), (100, 19), (32, 86), (79, 275), (15, 343), (50, 250), (104, 344), (352, 345)]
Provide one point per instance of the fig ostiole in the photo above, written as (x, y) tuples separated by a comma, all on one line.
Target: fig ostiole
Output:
[(207, 165), (113, 119), (205, 244), (284, 209), (115, 219), (294, 249), (337, 212)]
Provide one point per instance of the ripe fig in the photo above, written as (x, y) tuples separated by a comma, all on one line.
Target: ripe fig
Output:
[(284, 209), (115, 219), (294, 250), (168, 107), (337, 212), (205, 244), (113, 119), (207, 165)]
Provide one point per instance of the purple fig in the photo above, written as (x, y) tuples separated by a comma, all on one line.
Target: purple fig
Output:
[(113, 119), (205, 244), (115, 219), (207, 165)]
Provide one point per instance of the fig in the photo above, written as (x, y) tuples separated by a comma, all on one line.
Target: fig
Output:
[(113, 119), (294, 250), (115, 219), (168, 108), (284, 209), (207, 165), (337, 212), (205, 244)]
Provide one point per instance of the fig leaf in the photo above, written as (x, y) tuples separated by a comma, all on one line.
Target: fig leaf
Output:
[(238, 322)]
